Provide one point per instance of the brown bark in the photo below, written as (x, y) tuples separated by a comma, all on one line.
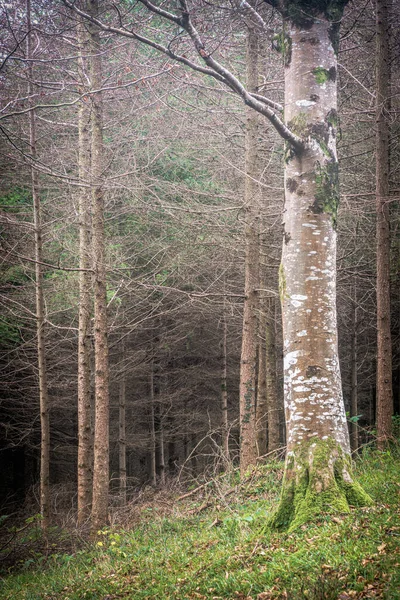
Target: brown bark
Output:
[(85, 438), (224, 391), (161, 445), (248, 449), (384, 392), (273, 404), (101, 436), (354, 378), (40, 312), (153, 442), (122, 429), (261, 404)]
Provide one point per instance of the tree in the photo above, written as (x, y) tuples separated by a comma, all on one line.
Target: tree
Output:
[(85, 437), (248, 361), (40, 309), (318, 465), (101, 431), (384, 390)]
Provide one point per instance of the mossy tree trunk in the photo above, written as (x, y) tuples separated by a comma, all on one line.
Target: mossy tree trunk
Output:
[(318, 475)]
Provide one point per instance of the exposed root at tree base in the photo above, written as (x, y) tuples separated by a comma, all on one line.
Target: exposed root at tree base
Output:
[(318, 481)]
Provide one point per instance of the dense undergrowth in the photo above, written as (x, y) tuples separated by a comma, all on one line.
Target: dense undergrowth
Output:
[(213, 545)]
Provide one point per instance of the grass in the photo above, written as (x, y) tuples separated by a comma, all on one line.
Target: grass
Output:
[(223, 551)]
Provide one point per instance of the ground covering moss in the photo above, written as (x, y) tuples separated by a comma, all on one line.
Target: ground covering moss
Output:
[(223, 552)]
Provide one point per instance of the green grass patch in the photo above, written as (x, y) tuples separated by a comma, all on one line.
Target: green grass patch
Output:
[(223, 552)]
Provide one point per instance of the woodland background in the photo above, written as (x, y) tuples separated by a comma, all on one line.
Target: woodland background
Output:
[(174, 222)]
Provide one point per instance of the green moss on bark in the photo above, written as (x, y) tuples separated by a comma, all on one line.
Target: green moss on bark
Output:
[(282, 283), (283, 44), (318, 481), (299, 125), (326, 197)]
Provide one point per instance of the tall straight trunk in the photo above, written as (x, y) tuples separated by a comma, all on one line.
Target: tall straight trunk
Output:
[(273, 404), (384, 402), (248, 364), (101, 434), (354, 378), (318, 475), (153, 441), (122, 428), (40, 313), (161, 445), (85, 438), (224, 390), (261, 404)]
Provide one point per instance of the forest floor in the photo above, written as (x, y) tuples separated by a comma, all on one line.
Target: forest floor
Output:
[(212, 544)]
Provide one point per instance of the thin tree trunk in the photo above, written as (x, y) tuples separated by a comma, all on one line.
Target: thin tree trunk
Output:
[(384, 390), (162, 450), (273, 403), (101, 436), (85, 438), (354, 383), (122, 429), (153, 442), (262, 405), (224, 391), (248, 364), (40, 313)]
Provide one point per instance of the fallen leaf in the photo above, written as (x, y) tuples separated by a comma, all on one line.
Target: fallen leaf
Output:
[(381, 548)]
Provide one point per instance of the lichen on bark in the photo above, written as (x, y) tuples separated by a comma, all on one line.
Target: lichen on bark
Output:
[(318, 481)]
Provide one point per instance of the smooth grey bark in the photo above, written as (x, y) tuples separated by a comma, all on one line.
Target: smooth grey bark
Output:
[(318, 474), (40, 310)]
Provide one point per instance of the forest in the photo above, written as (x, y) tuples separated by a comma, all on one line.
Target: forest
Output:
[(200, 299)]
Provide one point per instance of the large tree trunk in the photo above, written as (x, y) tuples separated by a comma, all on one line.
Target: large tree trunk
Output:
[(85, 438), (384, 400), (101, 439), (248, 362), (318, 465), (40, 313)]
